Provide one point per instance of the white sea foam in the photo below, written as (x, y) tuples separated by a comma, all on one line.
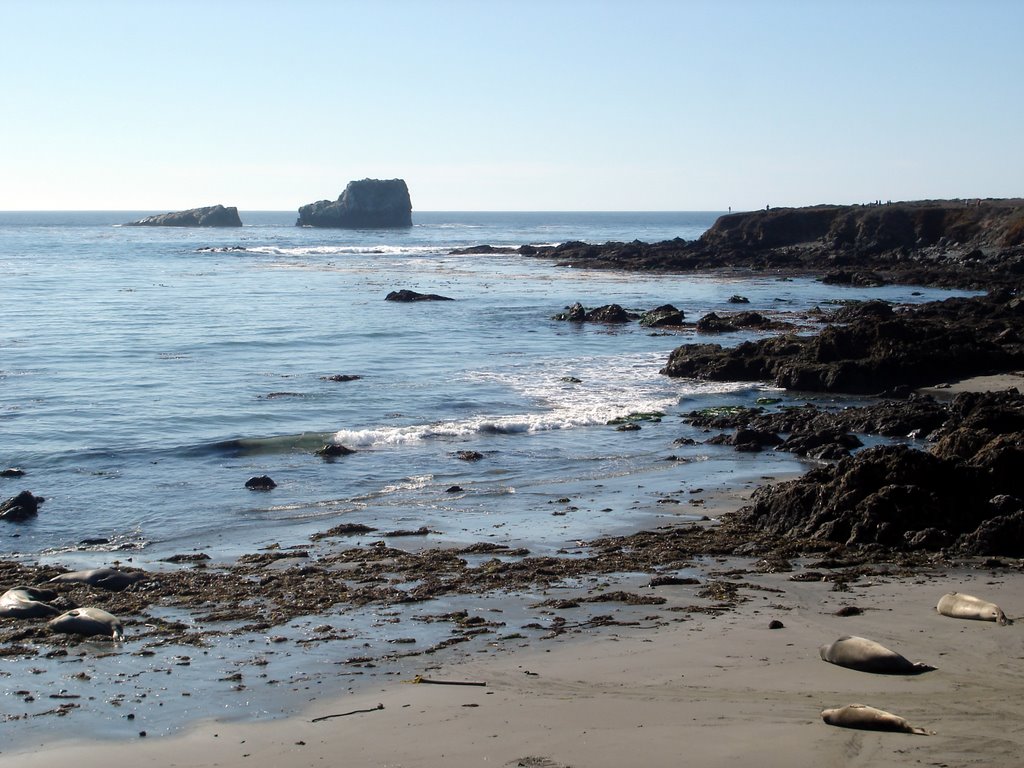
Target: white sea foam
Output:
[(608, 389)]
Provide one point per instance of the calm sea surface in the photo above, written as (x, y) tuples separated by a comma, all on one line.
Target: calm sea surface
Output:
[(147, 373)]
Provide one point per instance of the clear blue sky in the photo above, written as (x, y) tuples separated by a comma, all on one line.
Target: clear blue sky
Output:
[(509, 104)]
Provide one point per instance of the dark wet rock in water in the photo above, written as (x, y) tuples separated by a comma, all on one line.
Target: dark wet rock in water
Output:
[(608, 313), (364, 204), (341, 377), (211, 216), (20, 507), (469, 455), (332, 450), (630, 427), (665, 315), (737, 299), (98, 541), (260, 483), (407, 296), (715, 323), (12, 472), (453, 489)]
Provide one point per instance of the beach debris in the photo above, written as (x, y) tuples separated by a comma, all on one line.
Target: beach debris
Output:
[(260, 483), (88, 622), (346, 714), (959, 606), (27, 603), (420, 679), (21, 507), (849, 610), (865, 655), (870, 719), (112, 579)]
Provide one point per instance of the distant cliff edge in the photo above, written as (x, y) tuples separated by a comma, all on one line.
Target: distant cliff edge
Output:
[(366, 204), (211, 216), (970, 243)]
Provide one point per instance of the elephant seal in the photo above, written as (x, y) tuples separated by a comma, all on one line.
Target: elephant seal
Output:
[(958, 606), (868, 656), (107, 578), (27, 603), (869, 719), (88, 622)]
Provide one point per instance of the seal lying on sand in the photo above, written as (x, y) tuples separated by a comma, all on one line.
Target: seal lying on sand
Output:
[(88, 622), (870, 719), (27, 603), (960, 606), (107, 578), (868, 656)]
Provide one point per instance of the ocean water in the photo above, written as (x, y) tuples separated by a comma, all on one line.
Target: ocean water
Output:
[(147, 373)]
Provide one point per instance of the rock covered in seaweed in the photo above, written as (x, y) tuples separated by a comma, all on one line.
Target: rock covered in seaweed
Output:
[(365, 204), (211, 216)]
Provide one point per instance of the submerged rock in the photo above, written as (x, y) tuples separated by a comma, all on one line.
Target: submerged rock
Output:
[(211, 216), (366, 204), (260, 483), (406, 296)]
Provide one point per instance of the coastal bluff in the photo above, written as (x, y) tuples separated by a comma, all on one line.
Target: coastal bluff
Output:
[(365, 204), (964, 243), (211, 216)]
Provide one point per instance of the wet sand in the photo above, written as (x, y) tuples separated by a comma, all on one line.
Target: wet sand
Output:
[(681, 687)]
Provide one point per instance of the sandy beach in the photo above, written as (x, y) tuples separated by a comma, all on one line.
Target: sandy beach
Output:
[(679, 688)]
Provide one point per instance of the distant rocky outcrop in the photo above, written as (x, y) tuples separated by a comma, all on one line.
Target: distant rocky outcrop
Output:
[(971, 243), (366, 204), (211, 216)]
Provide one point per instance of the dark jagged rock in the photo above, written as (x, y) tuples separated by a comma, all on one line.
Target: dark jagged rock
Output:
[(609, 313), (964, 495), (20, 507), (977, 243), (260, 483), (659, 317), (341, 377), (871, 348), (365, 204), (333, 450), (407, 296), (211, 216), (715, 323)]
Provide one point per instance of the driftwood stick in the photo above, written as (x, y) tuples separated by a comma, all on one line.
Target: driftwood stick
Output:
[(346, 714), (422, 679)]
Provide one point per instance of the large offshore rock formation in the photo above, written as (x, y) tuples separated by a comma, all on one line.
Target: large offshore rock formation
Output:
[(211, 216), (366, 204)]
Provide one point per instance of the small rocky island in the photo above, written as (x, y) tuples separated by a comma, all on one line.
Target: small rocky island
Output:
[(365, 204), (211, 216)]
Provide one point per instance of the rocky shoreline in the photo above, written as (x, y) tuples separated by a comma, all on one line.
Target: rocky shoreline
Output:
[(944, 486)]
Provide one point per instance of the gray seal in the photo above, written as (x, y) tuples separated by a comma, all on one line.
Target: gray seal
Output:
[(112, 579), (870, 719), (88, 622), (868, 656), (959, 606), (27, 603)]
